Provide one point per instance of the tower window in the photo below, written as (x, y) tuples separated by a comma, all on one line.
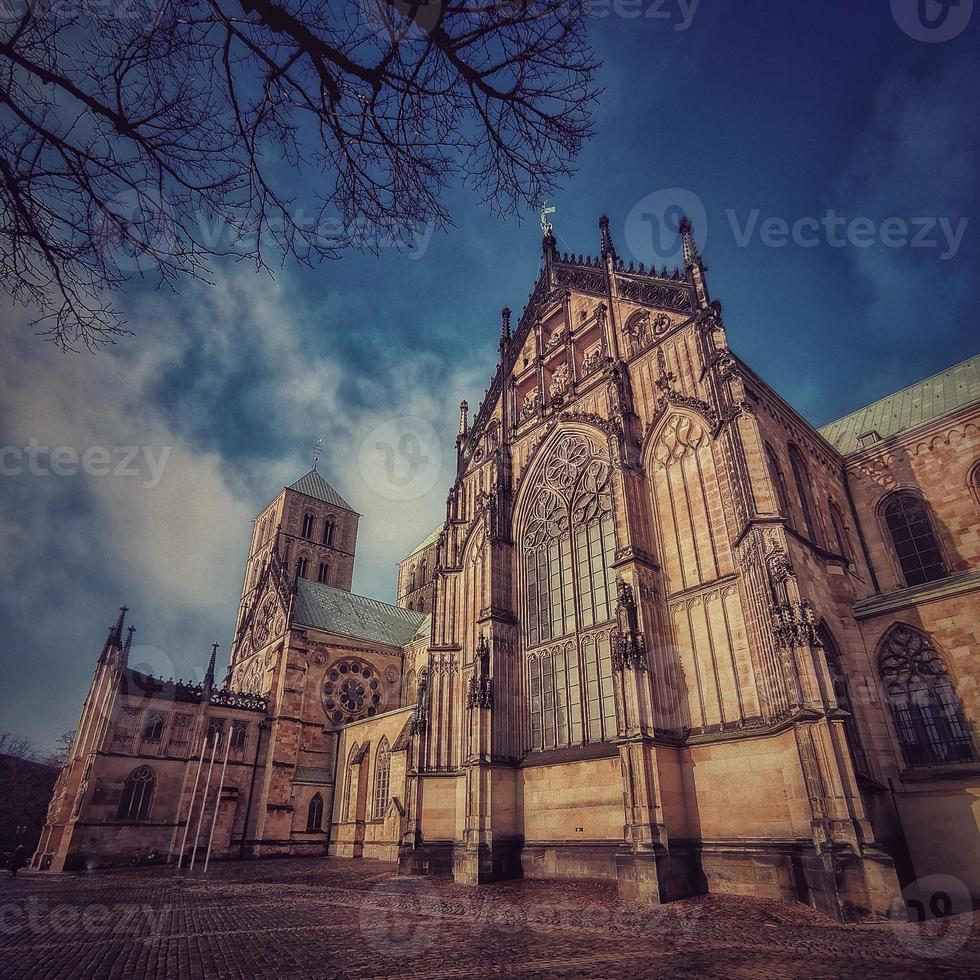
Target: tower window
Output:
[(239, 735), (913, 538), (328, 531), (309, 523), (323, 573), (302, 563)]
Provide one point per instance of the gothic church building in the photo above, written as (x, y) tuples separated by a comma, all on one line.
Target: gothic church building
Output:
[(669, 634)]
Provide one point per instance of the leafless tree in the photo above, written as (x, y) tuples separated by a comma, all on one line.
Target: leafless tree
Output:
[(144, 138)]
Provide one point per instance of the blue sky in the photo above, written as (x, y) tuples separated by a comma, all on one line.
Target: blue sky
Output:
[(756, 117)]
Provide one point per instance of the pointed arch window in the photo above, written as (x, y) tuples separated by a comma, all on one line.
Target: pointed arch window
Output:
[(348, 781), (913, 538), (840, 530), (314, 814), (328, 527), (928, 715), (779, 483), (842, 694), (309, 523), (423, 568), (324, 573), (411, 579), (153, 727), (568, 545), (137, 795), (802, 480), (382, 778)]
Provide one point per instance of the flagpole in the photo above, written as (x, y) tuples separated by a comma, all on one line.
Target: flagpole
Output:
[(217, 801), (204, 797), (190, 808)]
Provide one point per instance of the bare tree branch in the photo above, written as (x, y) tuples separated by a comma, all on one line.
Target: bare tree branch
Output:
[(146, 140)]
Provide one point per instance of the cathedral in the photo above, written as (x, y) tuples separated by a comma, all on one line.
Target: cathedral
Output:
[(670, 635)]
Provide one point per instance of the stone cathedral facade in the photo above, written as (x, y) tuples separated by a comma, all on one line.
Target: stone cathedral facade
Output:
[(669, 634)]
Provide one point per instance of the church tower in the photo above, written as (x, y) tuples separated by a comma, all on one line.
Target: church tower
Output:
[(308, 531)]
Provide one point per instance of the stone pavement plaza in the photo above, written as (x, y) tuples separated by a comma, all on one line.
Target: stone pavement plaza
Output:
[(334, 918)]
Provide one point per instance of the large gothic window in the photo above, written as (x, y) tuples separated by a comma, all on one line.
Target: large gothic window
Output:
[(912, 535), (842, 693), (137, 795), (568, 547), (802, 481), (779, 483), (928, 716), (382, 777), (840, 530)]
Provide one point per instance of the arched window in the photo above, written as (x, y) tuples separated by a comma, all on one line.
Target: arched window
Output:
[(411, 579), (309, 523), (840, 530), (382, 777), (842, 693), (779, 483), (568, 546), (928, 716), (324, 573), (802, 481), (314, 815), (302, 563), (913, 539), (137, 795), (153, 727), (349, 807), (328, 531), (239, 735), (410, 692), (423, 568), (422, 604)]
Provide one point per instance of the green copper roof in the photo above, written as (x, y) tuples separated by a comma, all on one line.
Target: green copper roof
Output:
[(425, 542), (314, 485), (919, 403), (335, 611)]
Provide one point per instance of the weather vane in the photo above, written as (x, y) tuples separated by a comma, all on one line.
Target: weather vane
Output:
[(317, 446), (546, 225)]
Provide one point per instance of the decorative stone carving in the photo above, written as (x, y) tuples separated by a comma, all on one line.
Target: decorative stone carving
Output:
[(592, 361), (559, 382), (480, 689), (532, 402), (628, 647)]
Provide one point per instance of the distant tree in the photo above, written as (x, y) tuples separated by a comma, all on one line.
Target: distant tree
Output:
[(26, 782), (134, 137)]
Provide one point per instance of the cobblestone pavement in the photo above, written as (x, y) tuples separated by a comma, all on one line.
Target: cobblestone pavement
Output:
[(330, 918)]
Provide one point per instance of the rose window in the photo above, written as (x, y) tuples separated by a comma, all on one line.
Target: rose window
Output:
[(351, 690)]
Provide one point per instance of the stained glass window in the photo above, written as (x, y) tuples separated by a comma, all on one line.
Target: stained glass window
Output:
[(568, 544)]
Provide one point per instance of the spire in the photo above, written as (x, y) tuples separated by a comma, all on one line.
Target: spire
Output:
[(317, 446), (688, 246), (605, 239), (209, 675), (504, 328), (463, 421), (692, 262), (114, 640), (128, 646)]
